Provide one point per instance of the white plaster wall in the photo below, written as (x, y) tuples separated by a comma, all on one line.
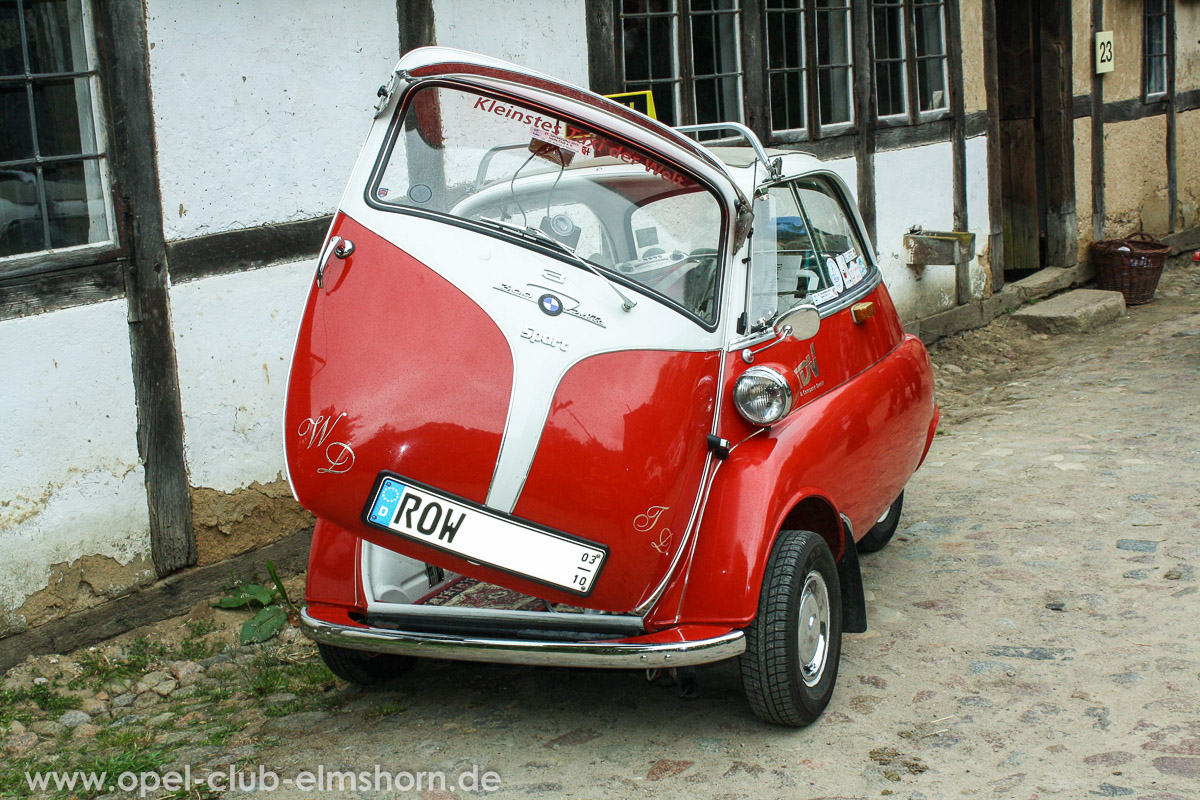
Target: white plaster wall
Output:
[(550, 38), (260, 106), (978, 221), (234, 336), (914, 186), (71, 482)]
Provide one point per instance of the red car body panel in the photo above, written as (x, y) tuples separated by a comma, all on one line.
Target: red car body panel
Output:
[(625, 441)]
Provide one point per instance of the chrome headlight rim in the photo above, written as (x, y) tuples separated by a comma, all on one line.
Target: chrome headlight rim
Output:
[(771, 379)]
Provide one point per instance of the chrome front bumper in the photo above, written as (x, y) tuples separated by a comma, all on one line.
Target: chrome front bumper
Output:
[(612, 655)]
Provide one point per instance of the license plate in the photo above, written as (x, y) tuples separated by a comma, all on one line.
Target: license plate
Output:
[(414, 512)]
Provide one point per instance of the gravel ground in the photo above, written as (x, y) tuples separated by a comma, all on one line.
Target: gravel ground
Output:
[(1033, 633)]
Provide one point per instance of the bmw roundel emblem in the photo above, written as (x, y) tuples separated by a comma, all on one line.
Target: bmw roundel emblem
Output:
[(550, 305)]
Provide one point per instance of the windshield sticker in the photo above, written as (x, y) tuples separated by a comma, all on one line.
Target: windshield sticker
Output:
[(851, 266), (561, 142), (825, 295), (382, 192), (834, 270)]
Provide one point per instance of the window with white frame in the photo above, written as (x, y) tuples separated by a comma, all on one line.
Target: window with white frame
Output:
[(53, 173), (704, 84), (809, 42), (835, 79), (787, 69), (909, 48), (1155, 47)]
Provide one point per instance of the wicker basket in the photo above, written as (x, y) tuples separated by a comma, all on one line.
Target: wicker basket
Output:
[(1131, 266)]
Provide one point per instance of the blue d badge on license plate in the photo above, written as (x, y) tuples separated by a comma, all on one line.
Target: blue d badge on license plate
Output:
[(425, 516)]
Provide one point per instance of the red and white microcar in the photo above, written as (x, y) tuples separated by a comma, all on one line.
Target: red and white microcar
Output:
[(572, 389)]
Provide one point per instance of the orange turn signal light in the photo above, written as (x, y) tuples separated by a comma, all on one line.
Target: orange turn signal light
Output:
[(861, 312)]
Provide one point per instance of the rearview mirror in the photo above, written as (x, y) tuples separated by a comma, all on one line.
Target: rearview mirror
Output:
[(803, 322)]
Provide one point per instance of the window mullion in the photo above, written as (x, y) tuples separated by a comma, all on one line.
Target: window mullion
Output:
[(911, 56), (687, 72), (812, 78)]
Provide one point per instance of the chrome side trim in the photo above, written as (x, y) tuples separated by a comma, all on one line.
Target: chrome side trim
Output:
[(610, 655), (402, 614)]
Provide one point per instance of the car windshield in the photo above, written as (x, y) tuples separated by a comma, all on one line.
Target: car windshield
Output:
[(513, 168)]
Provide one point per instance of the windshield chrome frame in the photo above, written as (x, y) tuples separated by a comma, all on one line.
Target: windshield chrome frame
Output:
[(383, 157)]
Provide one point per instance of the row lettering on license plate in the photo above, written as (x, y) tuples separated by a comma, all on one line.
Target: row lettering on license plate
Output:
[(414, 512)]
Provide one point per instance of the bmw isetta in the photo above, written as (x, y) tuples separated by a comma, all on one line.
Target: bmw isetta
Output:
[(571, 388)]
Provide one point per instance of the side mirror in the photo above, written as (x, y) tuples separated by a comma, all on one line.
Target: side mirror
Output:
[(803, 322)]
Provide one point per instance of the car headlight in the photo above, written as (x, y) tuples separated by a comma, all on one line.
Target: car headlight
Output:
[(762, 396)]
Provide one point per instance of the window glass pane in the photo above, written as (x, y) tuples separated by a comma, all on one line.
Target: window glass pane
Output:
[(833, 87), (662, 47), (12, 61), (889, 87), (833, 61), (799, 275), (64, 117), (54, 30), (840, 254), (930, 41), (931, 83), (1156, 35), (21, 221), (75, 203), (787, 101), (718, 100), (785, 64), (716, 52), (16, 135), (448, 134), (833, 36), (1156, 75), (890, 76)]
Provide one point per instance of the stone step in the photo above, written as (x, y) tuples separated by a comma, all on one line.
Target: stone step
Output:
[(1073, 312)]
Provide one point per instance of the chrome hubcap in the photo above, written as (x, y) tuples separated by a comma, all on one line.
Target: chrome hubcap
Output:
[(881, 519), (813, 630)]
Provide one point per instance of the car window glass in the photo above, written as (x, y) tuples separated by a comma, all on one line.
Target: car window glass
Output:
[(513, 167), (839, 251), (666, 257), (787, 268)]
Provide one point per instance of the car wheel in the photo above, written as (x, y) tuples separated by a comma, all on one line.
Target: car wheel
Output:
[(884, 529), (363, 668), (793, 645)]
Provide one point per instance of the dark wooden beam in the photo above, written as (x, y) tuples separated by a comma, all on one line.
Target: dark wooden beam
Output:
[(991, 82), (124, 58), (1172, 135), (865, 113), (603, 75), (249, 248), (167, 598), (1098, 212), (958, 141), (756, 102), (49, 291), (414, 19), (1057, 115)]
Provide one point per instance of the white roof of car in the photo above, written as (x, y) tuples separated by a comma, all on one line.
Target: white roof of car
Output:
[(743, 156)]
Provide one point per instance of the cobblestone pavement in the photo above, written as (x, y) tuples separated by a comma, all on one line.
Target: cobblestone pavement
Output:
[(1033, 627)]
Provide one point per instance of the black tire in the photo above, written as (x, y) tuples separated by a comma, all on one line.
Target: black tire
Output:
[(878, 537), (800, 572), (363, 668)]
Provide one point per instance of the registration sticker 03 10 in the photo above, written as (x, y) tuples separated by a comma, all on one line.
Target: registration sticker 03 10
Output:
[(420, 514)]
